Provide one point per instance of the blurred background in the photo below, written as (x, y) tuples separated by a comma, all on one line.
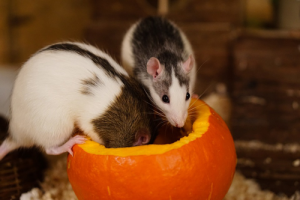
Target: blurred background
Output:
[(248, 48)]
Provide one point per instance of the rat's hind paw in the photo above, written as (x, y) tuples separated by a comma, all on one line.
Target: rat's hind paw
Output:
[(67, 147)]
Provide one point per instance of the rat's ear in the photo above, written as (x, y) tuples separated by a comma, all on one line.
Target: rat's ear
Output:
[(142, 137), (188, 64), (154, 67)]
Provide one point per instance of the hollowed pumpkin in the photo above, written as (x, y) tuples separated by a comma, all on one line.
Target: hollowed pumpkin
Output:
[(198, 166)]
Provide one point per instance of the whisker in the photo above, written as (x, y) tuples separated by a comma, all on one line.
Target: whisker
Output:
[(157, 113), (211, 83), (193, 111), (196, 112), (161, 124), (166, 128), (193, 115), (162, 119), (198, 68), (195, 107), (198, 98), (223, 99), (195, 102), (153, 103), (158, 119), (158, 125), (192, 107)]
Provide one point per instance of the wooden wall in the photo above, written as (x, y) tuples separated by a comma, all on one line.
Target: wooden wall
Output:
[(4, 38), (28, 25), (207, 25), (266, 87)]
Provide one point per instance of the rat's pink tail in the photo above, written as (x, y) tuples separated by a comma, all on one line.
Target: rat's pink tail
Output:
[(7, 146)]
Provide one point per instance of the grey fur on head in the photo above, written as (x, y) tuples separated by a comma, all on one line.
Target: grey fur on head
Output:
[(157, 37)]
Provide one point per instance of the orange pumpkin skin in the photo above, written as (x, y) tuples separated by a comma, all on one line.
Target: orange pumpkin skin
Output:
[(200, 169)]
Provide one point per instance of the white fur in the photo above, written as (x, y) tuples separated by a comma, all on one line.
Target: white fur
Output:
[(189, 50), (126, 50), (176, 111), (47, 102)]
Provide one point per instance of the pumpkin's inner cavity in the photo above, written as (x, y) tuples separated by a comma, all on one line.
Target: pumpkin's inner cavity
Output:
[(167, 134)]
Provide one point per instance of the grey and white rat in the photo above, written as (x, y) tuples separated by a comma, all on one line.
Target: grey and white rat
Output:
[(69, 86), (159, 54)]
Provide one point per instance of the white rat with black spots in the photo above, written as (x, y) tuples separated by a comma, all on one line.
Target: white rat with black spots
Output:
[(158, 53), (69, 86)]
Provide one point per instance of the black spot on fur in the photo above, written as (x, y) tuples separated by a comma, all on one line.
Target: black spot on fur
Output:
[(88, 84), (182, 78), (101, 62)]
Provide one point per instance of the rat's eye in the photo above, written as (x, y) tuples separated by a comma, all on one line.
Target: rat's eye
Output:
[(165, 99), (187, 96)]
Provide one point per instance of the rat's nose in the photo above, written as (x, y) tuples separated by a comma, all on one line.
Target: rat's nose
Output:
[(178, 124), (178, 119)]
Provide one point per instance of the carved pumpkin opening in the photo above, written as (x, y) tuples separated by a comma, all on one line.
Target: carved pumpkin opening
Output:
[(198, 166)]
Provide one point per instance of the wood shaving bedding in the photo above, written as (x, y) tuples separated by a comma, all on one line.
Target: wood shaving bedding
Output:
[(57, 187)]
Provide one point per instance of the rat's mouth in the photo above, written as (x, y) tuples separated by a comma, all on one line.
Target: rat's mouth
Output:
[(168, 134)]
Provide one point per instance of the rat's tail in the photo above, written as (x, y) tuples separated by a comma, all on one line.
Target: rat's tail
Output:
[(7, 146)]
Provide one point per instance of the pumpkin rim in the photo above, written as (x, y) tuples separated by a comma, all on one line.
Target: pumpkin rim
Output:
[(200, 127)]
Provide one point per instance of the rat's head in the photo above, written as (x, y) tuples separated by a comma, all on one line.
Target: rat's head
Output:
[(127, 122), (171, 90)]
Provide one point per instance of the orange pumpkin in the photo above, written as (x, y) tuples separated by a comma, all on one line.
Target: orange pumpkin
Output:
[(198, 166)]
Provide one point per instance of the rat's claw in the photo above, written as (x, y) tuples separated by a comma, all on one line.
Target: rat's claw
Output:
[(81, 141), (78, 139), (70, 151)]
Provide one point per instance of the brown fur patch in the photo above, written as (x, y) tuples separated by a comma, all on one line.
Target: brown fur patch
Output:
[(128, 114)]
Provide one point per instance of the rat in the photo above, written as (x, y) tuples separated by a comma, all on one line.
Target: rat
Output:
[(160, 56), (68, 86)]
